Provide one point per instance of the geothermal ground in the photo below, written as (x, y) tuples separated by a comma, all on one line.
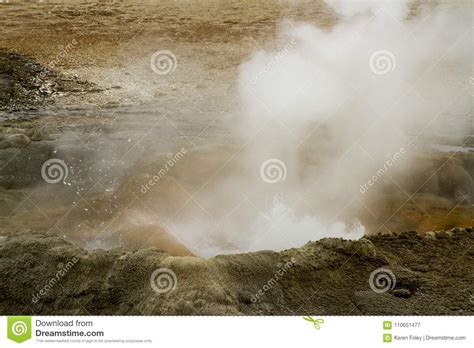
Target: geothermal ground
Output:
[(329, 277), (154, 175)]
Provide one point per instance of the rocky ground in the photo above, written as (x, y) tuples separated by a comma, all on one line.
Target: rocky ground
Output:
[(433, 274), (28, 85)]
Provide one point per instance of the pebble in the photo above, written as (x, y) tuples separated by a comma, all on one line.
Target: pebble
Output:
[(404, 293), (421, 268), (35, 134), (430, 235), (16, 140)]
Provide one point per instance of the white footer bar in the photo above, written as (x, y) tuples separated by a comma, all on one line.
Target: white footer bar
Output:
[(161, 331)]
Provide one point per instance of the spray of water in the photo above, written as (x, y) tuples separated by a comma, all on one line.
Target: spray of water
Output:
[(326, 117), (329, 110)]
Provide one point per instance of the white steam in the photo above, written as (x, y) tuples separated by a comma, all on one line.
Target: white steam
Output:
[(332, 105)]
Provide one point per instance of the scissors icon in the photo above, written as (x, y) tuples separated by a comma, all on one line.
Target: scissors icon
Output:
[(316, 322)]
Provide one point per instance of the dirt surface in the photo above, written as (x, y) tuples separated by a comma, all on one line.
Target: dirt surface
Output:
[(111, 44), (431, 275)]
